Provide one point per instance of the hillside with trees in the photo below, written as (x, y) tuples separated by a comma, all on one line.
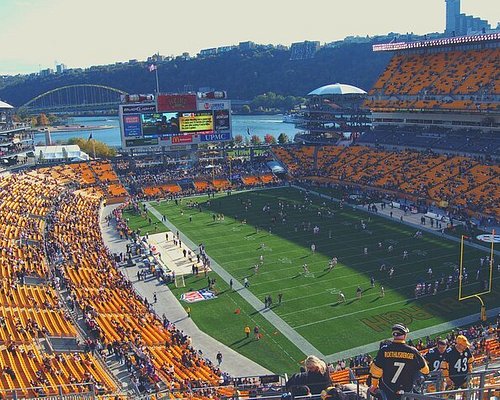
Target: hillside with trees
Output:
[(243, 74)]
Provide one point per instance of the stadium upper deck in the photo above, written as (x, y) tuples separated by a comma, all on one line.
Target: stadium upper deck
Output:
[(450, 83)]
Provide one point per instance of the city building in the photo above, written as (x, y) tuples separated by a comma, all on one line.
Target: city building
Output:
[(304, 50), (459, 24)]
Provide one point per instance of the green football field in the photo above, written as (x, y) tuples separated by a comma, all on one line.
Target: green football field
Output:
[(255, 225)]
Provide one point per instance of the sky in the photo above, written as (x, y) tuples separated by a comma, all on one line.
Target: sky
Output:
[(37, 34)]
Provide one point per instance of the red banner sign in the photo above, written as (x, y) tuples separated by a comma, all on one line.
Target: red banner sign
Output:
[(176, 102), (182, 139)]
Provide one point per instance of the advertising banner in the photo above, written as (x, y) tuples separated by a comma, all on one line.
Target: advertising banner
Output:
[(182, 139), (138, 108), (176, 102), (132, 125), (214, 104), (221, 121), (141, 142), (215, 137)]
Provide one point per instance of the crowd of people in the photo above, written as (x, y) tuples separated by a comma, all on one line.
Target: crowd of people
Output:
[(187, 174)]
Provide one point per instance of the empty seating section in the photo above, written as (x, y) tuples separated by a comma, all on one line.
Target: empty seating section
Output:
[(113, 311), (326, 155), (171, 188), (460, 181), (221, 184), (201, 186), (250, 180), (29, 311), (295, 157), (439, 81)]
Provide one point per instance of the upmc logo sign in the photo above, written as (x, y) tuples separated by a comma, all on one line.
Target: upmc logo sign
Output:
[(214, 105), (215, 137)]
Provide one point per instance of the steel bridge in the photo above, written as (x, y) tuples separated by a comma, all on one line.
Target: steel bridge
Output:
[(76, 99)]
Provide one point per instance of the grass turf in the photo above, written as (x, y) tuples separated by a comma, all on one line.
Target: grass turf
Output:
[(136, 221), (310, 300)]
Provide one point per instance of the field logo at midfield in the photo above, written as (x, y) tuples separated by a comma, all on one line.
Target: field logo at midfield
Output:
[(489, 238), (235, 229), (333, 291), (249, 238), (198, 295), (284, 260), (421, 253)]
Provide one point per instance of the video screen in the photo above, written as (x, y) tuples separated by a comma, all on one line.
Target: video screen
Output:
[(160, 124)]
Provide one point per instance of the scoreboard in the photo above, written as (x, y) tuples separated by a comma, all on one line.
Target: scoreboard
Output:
[(173, 119)]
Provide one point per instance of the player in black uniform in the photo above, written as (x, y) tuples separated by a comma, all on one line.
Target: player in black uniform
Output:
[(435, 356), (396, 365), (457, 363)]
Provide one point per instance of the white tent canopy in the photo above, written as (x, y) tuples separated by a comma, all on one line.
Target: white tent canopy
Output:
[(336, 88)]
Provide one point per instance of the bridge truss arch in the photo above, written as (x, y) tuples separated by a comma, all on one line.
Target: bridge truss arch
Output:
[(71, 98)]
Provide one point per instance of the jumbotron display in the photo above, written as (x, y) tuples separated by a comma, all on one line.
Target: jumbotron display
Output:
[(174, 120)]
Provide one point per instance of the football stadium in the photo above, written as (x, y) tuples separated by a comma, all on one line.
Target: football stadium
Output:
[(190, 268)]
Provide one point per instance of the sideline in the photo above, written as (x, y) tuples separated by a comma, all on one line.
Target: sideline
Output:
[(292, 335), (234, 363)]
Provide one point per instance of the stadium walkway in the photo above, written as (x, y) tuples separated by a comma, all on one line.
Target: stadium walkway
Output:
[(285, 329), (233, 363)]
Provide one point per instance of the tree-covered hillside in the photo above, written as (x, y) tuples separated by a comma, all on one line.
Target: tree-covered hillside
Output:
[(243, 74)]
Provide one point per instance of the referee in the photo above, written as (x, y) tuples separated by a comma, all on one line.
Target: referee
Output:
[(396, 365)]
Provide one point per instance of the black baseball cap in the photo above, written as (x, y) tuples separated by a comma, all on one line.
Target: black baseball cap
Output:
[(399, 330)]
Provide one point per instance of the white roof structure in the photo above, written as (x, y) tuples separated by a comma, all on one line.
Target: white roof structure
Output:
[(4, 105), (56, 153), (336, 88)]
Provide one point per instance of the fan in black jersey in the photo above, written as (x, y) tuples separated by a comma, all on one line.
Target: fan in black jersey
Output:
[(435, 356), (457, 363), (396, 365)]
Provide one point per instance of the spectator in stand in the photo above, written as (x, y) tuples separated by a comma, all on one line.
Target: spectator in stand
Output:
[(315, 377)]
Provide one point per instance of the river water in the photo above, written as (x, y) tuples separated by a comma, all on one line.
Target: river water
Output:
[(259, 125)]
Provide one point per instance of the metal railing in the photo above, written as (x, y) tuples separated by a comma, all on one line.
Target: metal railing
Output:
[(83, 391), (465, 394)]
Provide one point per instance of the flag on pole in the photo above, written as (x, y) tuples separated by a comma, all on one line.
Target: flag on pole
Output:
[(90, 137), (152, 68)]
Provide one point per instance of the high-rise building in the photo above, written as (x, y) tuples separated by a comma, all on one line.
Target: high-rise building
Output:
[(452, 14), (460, 24)]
